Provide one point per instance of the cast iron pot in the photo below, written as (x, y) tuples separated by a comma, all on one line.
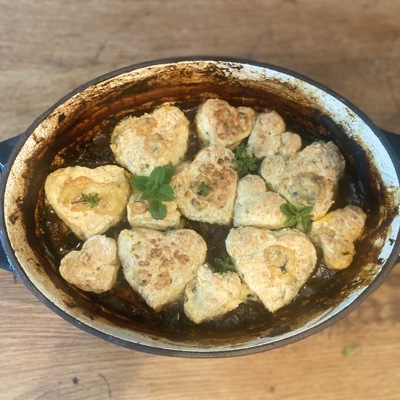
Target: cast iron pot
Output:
[(84, 115)]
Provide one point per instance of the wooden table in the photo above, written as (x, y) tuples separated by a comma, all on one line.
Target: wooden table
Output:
[(47, 48)]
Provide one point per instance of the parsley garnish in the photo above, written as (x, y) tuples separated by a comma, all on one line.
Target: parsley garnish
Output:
[(225, 264), (244, 164), (156, 189), (203, 189), (92, 199), (296, 216), (348, 351)]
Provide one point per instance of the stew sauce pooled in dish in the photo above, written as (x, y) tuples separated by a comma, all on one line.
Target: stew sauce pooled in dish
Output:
[(241, 223)]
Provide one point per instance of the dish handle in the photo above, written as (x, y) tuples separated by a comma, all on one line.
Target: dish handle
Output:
[(6, 148), (4, 262), (394, 140)]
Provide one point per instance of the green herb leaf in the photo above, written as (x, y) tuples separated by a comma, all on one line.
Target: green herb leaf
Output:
[(348, 351), (225, 264), (156, 188), (286, 210), (169, 172), (140, 182), (295, 216), (305, 211), (147, 194), (157, 175), (306, 222), (92, 199), (291, 221), (157, 209), (164, 193), (292, 208), (243, 162), (203, 189)]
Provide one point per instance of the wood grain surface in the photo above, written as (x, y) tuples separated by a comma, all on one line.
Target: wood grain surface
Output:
[(47, 48)]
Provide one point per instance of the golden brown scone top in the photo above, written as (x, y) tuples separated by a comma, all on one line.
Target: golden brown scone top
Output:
[(64, 189), (142, 143), (220, 124), (273, 264), (205, 189), (158, 265)]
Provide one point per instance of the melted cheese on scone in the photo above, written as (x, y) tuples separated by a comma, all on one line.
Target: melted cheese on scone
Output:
[(310, 178), (273, 264), (108, 185), (336, 232)]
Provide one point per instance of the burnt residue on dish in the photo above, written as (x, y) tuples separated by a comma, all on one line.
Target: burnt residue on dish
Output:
[(83, 138)]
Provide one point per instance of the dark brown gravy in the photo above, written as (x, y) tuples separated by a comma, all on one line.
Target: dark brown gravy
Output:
[(123, 305)]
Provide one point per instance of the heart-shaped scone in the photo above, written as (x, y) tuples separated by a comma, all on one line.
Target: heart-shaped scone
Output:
[(89, 201), (220, 124), (142, 143), (255, 206), (138, 213), (211, 295), (159, 265), (94, 268), (273, 264), (335, 234), (269, 137), (309, 178), (205, 189)]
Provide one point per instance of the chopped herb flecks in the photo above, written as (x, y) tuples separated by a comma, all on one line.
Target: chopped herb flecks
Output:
[(203, 189), (224, 264), (92, 199), (243, 163)]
